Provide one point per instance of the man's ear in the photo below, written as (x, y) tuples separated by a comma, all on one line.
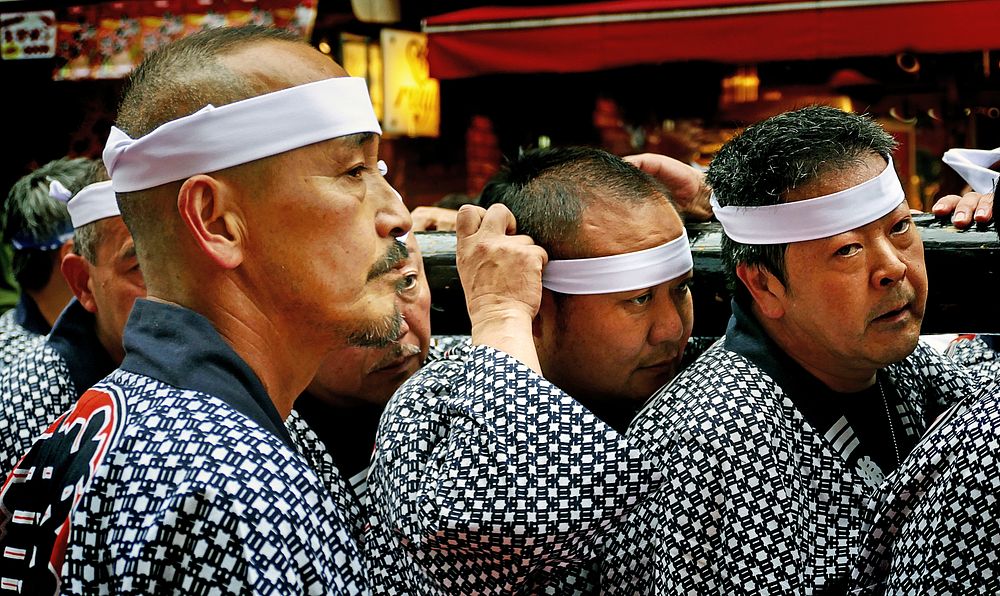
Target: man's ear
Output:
[(768, 293), (76, 271), (211, 213)]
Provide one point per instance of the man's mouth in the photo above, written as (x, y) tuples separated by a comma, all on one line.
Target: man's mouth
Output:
[(891, 316), (663, 364)]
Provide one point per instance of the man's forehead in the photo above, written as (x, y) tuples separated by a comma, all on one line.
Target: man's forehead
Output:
[(615, 228), (836, 179), (347, 147)]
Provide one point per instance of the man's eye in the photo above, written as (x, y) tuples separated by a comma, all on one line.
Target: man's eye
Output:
[(901, 227), (684, 288), (409, 282), (357, 171), (641, 299), (848, 250)]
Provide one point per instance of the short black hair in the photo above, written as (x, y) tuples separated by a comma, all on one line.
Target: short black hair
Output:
[(32, 217), (779, 154), (548, 190)]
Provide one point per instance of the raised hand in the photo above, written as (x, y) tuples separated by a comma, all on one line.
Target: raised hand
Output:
[(501, 275)]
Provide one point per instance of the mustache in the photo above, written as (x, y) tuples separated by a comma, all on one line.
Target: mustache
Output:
[(378, 333), (904, 295), (396, 254), (395, 352)]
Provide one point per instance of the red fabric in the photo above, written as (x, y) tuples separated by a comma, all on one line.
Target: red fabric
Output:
[(952, 26)]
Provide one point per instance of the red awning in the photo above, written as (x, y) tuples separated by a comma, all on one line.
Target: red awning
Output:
[(600, 35)]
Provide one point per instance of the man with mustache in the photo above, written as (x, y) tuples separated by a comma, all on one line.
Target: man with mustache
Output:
[(85, 344), (36, 224), (498, 468), (246, 168), (772, 439)]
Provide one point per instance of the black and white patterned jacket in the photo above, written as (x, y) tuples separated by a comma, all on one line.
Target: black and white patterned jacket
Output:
[(756, 500), (46, 379), (933, 528), (488, 479), (15, 336), (173, 475)]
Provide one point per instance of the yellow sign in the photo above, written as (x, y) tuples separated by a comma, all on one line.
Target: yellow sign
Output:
[(412, 98), (361, 58)]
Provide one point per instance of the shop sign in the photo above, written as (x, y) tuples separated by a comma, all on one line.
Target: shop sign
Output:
[(412, 97), (28, 34)]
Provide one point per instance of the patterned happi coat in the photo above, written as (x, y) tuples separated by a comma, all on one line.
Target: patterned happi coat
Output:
[(756, 499), (21, 328), (934, 527), (977, 352), (175, 474), (352, 490), (488, 479), (46, 379), (308, 443)]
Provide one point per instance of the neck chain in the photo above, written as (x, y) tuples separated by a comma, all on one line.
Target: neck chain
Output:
[(888, 418)]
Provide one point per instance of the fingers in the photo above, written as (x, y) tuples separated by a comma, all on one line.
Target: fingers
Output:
[(499, 220), (971, 206), (984, 211), (468, 220), (433, 218), (667, 169), (421, 220), (643, 161), (444, 219)]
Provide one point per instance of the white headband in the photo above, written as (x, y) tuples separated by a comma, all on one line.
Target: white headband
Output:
[(58, 191), (214, 138), (820, 217), (973, 165), (620, 273), (94, 202)]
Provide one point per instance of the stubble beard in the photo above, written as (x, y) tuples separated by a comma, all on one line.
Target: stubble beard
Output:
[(378, 333)]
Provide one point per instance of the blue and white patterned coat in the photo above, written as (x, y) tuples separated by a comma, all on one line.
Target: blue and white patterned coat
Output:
[(757, 500), (157, 485), (488, 479)]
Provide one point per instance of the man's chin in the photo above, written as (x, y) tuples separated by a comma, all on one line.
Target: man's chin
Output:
[(377, 333), (900, 348)]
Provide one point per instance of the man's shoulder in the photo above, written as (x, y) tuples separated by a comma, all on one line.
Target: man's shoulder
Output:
[(34, 390), (450, 365), (718, 380), (37, 362), (712, 401), (15, 340), (163, 420), (7, 321), (927, 374), (441, 345)]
